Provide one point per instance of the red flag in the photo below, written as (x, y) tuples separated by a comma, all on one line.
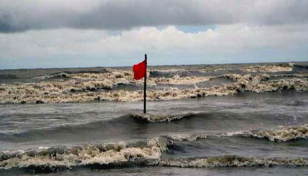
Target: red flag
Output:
[(139, 70)]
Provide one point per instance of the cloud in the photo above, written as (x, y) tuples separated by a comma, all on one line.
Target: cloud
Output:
[(22, 15), (225, 43)]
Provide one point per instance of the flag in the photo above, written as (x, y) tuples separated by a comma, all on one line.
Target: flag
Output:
[(139, 70)]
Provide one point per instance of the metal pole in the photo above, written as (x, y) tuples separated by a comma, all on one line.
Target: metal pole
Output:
[(145, 86)]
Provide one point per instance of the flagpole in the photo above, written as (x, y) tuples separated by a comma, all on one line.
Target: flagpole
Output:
[(145, 86)]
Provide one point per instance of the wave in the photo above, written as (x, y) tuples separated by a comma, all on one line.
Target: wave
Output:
[(283, 134), (194, 71), (122, 155), (196, 137), (160, 118), (69, 74), (130, 124), (148, 153), (96, 130), (233, 161), (186, 137), (57, 76), (301, 66), (121, 126), (87, 87), (92, 130), (269, 68), (51, 159), (169, 73)]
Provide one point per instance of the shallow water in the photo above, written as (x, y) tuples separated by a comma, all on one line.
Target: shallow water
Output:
[(164, 171)]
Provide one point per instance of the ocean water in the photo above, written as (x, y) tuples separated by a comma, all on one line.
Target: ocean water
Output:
[(202, 120)]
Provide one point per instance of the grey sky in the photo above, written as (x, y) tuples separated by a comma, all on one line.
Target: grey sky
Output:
[(78, 33), (23, 15)]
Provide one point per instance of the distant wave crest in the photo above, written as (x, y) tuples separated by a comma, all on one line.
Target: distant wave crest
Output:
[(168, 84)]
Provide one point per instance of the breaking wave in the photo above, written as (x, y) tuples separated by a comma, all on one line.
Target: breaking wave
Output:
[(160, 118), (122, 155), (233, 161), (119, 85), (55, 158), (283, 134), (148, 153), (51, 159), (269, 68)]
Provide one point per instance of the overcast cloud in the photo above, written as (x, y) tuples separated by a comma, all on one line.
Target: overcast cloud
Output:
[(21, 15), (79, 33)]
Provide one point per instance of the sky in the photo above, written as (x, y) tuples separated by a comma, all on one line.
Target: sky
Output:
[(90, 33)]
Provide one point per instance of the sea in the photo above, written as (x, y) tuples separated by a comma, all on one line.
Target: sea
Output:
[(227, 119)]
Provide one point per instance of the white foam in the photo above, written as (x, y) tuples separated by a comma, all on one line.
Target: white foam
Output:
[(160, 118), (233, 161), (81, 88), (84, 155), (283, 134)]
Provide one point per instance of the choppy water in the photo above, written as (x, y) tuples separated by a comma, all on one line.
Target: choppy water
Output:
[(245, 133)]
